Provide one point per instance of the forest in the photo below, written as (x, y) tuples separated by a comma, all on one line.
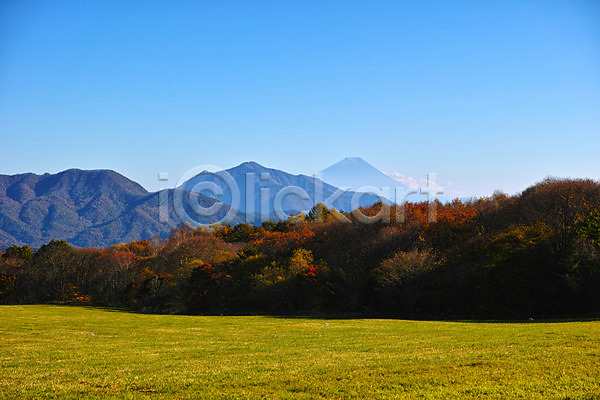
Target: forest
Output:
[(531, 255)]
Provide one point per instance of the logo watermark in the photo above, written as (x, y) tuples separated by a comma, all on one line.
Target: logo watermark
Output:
[(207, 194)]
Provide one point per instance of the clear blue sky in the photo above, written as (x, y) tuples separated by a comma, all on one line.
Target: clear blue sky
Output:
[(488, 94)]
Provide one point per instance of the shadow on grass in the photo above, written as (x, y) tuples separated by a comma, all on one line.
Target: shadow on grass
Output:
[(458, 320), (349, 316)]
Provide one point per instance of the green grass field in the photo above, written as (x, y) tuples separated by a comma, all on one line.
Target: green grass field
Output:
[(78, 352)]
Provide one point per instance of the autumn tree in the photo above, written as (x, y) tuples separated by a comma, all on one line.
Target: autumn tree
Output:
[(401, 278), (203, 294)]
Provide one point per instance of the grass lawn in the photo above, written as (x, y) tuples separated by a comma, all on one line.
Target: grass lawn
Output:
[(78, 352)]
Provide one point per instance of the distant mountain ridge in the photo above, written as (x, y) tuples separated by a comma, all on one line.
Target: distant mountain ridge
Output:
[(359, 175), (98, 208), (260, 191), (87, 208)]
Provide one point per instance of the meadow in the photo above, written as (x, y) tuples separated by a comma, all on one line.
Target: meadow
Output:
[(49, 351)]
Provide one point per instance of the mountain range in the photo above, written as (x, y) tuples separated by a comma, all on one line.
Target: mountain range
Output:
[(98, 208), (87, 208), (269, 193)]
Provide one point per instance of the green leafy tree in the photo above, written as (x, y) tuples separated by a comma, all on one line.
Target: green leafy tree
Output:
[(54, 262), (24, 253), (589, 228), (585, 272), (318, 213)]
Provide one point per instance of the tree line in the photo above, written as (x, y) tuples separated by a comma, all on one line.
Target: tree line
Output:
[(529, 255)]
